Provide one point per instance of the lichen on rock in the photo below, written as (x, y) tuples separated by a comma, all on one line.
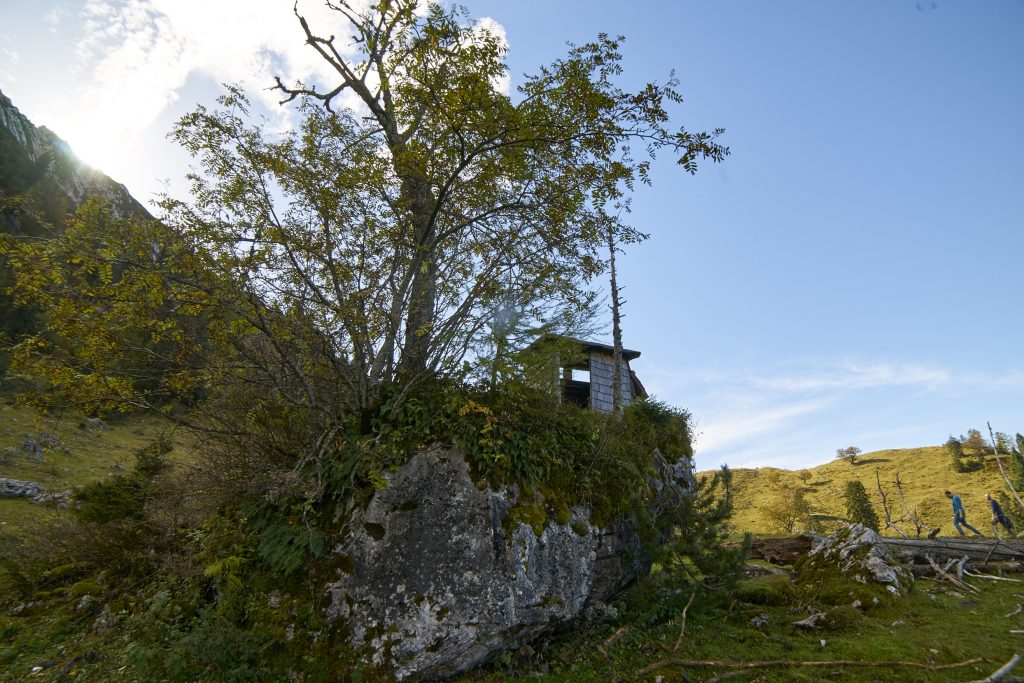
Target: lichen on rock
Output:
[(852, 564), (442, 586)]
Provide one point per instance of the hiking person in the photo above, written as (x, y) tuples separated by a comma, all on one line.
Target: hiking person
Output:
[(960, 515), (998, 516)]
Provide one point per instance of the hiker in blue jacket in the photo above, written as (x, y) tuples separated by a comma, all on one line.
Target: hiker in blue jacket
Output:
[(998, 516), (960, 515)]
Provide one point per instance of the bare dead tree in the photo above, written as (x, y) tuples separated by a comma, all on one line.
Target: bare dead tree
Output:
[(909, 515), (889, 524), (616, 328), (1002, 471)]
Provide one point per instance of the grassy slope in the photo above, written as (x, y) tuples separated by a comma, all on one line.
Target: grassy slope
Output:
[(928, 633), (925, 473), (931, 625), (92, 454)]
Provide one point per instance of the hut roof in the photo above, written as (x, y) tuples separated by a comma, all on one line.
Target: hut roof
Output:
[(591, 346)]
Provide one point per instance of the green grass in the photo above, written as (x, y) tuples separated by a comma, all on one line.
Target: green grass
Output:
[(939, 626), (925, 472), (92, 454)]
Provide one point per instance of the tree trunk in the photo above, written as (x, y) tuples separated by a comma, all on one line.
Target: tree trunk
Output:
[(781, 550), (419, 319), (616, 330), (787, 549)]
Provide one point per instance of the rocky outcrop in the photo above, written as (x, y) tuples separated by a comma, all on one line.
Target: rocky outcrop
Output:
[(17, 488), (853, 563), (39, 171), (435, 578)]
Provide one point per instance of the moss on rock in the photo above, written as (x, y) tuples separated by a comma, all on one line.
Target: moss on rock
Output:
[(771, 589), (852, 565)]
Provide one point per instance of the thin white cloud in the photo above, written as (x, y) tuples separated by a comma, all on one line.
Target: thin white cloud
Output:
[(54, 17), (488, 26), (851, 375), (135, 57), (781, 415), (10, 58), (735, 423)]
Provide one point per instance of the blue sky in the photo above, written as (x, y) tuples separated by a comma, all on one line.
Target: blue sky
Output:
[(852, 275)]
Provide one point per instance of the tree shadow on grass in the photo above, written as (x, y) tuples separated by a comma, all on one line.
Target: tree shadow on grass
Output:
[(871, 461)]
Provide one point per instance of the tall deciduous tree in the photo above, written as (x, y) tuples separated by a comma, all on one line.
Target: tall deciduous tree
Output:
[(374, 245), (484, 198), (849, 453), (786, 509)]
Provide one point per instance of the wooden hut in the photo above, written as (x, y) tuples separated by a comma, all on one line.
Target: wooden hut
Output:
[(585, 378)]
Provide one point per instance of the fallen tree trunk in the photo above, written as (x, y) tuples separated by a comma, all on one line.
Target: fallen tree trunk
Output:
[(782, 549), (912, 550), (788, 549)]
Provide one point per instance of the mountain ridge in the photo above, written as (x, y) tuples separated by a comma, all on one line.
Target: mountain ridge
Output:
[(41, 179)]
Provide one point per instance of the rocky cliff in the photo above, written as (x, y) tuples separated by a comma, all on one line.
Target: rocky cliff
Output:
[(41, 180)]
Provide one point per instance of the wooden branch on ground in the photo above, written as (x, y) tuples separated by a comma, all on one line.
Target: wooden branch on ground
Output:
[(960, 568), (682, 628), (1015, 612), (1000, 673), (1001, 554), (994, 545), (925, 570), (992, 578), (952, 579), (769, 663), (612, 639)]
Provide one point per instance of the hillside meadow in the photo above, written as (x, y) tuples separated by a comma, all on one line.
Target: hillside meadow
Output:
[(650, 636), (925, 472), (78, 451)]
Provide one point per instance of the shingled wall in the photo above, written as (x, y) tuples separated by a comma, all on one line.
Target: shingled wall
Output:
[(602, 369)]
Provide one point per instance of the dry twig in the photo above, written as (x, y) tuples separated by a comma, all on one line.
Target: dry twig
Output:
[(612, 639), (682, 627), (908, 514), (992, 578), (994, 546)]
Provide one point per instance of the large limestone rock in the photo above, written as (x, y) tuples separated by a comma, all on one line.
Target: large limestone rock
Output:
[(853, 563), (436, 579)]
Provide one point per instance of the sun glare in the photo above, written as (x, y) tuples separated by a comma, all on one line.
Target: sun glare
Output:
[(101, 150)]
